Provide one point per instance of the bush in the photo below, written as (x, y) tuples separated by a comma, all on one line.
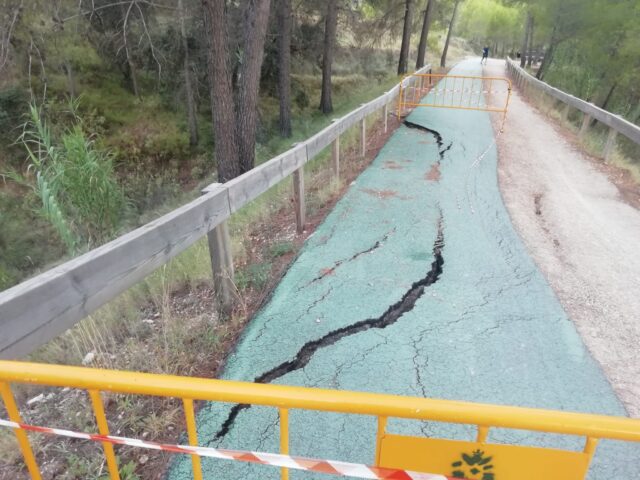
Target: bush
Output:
[(255, 275), (151, 141), (88, 187), (281, 248), (74, 181)]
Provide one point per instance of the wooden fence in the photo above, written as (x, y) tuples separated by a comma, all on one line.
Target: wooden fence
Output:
[(617, 125), (43, 307)]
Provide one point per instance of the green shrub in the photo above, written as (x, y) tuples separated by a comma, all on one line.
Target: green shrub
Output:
[(74, 181), (255, 275), (281, 248), (87, 180)]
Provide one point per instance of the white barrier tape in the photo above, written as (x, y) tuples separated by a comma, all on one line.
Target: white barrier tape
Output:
[(346, 469)]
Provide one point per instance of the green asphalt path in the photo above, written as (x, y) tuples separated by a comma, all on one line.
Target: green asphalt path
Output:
[(486, 328)]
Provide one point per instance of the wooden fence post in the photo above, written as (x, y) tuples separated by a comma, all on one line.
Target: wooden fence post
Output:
[(335, 157), (586, 121), (550, 101), (610, 146), (363, 136), (385, 113), (298, 198), (221, 262), (565, 112)]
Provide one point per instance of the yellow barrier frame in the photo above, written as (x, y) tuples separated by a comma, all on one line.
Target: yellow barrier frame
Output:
[(285, 398), (433, 78)]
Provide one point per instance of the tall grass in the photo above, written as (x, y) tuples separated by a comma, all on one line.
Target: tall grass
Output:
[(74, 180)]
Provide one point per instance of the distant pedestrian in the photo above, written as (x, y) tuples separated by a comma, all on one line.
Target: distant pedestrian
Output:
[(485, 55)]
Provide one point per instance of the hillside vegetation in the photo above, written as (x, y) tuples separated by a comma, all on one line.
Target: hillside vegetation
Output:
[(106, 107)]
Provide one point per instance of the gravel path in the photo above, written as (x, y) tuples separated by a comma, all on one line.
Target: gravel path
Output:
[(582, 235)]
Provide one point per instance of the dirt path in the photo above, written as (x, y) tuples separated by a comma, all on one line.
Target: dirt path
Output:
[(582, 235)]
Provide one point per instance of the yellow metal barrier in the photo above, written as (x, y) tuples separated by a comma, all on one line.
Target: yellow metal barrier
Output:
[(504, 462), (460, 92)]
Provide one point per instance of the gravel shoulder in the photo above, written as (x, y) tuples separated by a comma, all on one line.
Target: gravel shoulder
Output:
[(582, 235)]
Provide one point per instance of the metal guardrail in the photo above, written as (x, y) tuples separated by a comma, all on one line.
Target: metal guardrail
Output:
[(591, 112), (45, 306), (286, 398)]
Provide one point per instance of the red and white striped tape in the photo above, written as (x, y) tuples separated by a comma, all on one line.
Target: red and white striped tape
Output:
[(345, 469), (457, 90)]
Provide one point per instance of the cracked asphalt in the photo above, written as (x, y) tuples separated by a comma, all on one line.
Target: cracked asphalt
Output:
[(486, 328)]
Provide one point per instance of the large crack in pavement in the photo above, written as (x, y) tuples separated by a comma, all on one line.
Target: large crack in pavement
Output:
[(439, 140), (338, 263), (389, 317), (434, 173)]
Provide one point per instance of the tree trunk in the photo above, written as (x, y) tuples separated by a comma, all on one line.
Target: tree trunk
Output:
[(544, 66), (548, 56), (192, 120), (443, 59), (531, 28), (12, 19), (284, 66), (634, 117), (607, 99), (131, 68), (403, 61), (222, 107), (326, 106), (424, 35), (525, 41), (132, 71), (255, 31)]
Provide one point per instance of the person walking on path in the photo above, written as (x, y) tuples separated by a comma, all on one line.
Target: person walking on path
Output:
[(485, 55)]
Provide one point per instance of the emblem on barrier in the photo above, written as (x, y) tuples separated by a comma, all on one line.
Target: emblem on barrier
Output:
[(473, 467)]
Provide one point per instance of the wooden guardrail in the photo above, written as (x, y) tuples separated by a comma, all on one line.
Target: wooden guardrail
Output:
[(44, 306), (591, 112)]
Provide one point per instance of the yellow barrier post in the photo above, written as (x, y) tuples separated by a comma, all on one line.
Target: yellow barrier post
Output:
[(103, 429), (400, 97), (284, 439), (483, 432), (192, 433), (382, 425), (21, 435)]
